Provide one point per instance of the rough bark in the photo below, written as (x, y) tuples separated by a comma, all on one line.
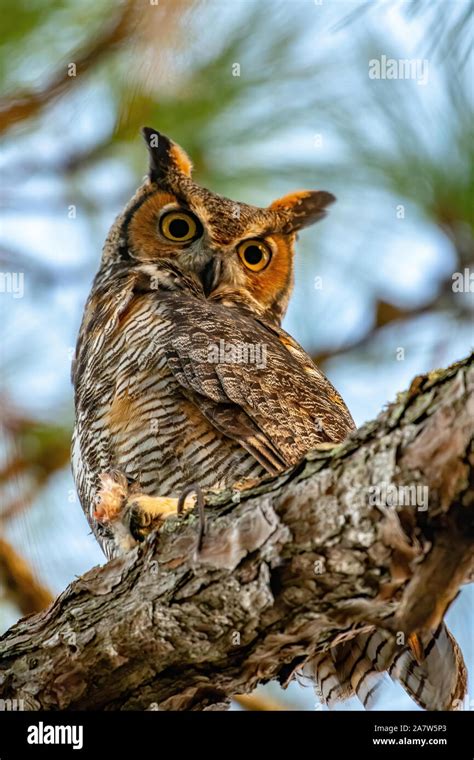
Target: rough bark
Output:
[(285, 567)]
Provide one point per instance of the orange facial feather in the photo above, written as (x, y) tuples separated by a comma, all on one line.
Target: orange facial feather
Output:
[(272, 281), (143, 230)]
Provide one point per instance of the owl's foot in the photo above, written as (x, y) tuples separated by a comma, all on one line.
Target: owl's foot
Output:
[(122, 505), (143, 513), (147, 513)]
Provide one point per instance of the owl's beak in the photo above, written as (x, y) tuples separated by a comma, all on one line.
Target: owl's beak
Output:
[(210, 276)]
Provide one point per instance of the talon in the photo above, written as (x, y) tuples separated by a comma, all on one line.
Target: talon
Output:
[(194, 488)]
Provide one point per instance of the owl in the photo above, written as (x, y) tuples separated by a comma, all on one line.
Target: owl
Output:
[(183, 373)]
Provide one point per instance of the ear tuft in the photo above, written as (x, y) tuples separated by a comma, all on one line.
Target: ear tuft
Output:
[(165, 156), (302, 208), (158, 151)]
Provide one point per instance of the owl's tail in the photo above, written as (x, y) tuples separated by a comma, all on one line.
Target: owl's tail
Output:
[(430, 668)]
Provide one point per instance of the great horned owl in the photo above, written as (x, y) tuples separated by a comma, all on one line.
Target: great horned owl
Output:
[(182, 372)]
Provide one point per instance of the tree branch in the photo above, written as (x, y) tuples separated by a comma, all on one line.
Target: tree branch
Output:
[(30, 103), (285, 568), (18, 583)]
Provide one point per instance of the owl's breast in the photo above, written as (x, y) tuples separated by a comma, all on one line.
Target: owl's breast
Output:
[(157, 435)]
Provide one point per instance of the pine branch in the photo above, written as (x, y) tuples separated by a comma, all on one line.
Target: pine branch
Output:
[(25, 105)]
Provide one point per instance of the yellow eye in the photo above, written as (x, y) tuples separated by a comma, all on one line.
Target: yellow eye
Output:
[(254, 254), (179, 227)]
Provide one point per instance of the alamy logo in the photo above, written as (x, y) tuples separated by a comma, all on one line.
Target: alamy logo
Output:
[(12, 705), (463, 282), (399, 68), (46, 734), (391, 495), (237, 353), (13, 283)]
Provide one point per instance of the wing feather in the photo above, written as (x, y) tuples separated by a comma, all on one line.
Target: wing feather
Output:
[(278, 405)]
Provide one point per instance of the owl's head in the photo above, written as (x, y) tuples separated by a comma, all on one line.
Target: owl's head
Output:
[(187, 237)]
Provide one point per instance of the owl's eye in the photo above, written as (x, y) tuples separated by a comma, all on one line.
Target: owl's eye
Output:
[(179, 226), (254, 254)]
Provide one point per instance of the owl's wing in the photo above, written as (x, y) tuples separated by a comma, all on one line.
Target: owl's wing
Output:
[(253, 382)]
